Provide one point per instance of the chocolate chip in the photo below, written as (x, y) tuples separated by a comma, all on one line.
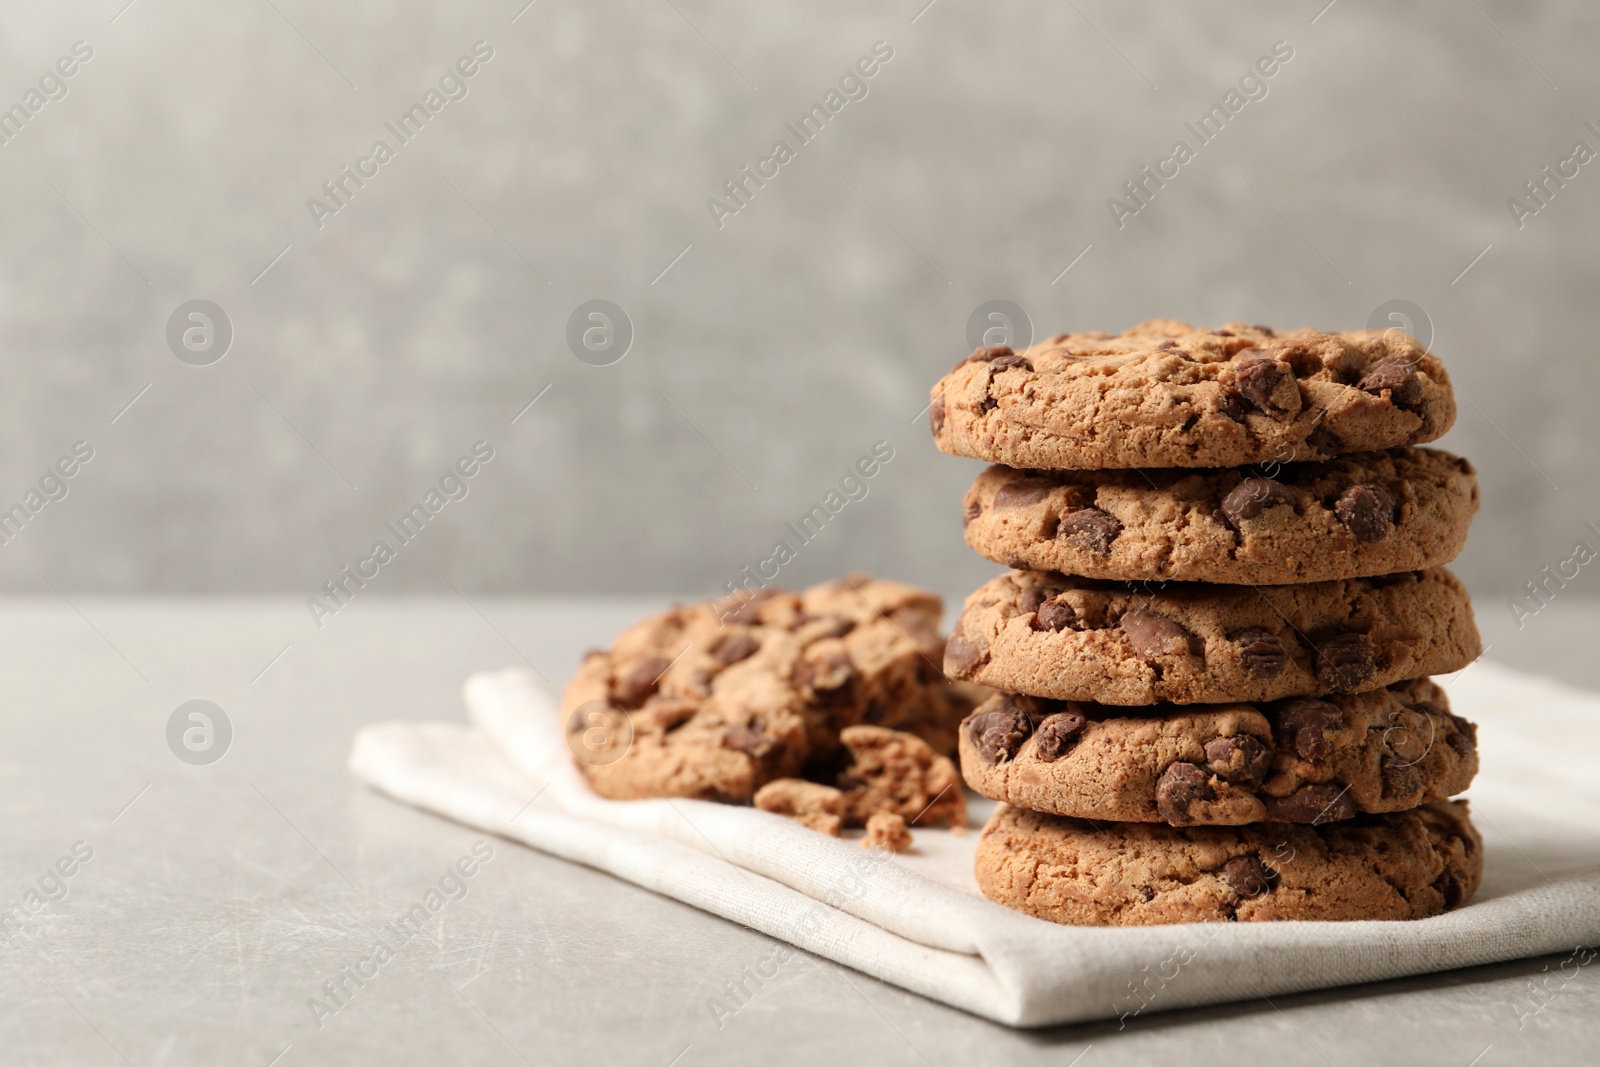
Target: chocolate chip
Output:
[(1401, 778), (1248, 876), (1261, 653), (1344, 661), (1009, 360), (1256, 376), (638, 680), (829, 672), (700, 679), (835, 625), (1464, 738), (1451, 886), (998, 733), (914, 620), (1032, 597), (1305, 727), (1054, 615), (1020, 494), (1058, 734), (936, 415), (1240, 758), (749, 609), (1090, 529), (963, 657), (1252, 496), (1312, 804), (1395, 377), (751, 740), (668, 715), (969, 512), (1148, 893), (1179, 786), (1367, 511), (1153, 635), (981, 355), (1324, 441), (735, 647)]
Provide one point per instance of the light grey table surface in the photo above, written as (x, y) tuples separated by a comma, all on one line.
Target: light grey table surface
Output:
[(219, 898)]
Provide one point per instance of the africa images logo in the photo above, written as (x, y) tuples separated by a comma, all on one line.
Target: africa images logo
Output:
[(453, 85), (52, 86), (807, 128), (453, 885), (454, 485), (1252, 86)]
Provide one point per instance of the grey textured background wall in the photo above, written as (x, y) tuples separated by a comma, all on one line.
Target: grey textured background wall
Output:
[(771, 351)]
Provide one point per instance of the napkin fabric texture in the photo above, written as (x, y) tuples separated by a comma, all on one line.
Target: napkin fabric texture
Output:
[(917, 919)]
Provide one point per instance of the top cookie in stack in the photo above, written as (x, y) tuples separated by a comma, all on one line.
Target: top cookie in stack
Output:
[(1166, 394), (1279, 565)]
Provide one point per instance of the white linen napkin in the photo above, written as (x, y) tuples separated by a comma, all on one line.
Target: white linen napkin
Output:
[(917, 920)]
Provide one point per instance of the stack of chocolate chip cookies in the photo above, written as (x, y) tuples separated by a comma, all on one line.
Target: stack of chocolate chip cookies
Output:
[(1214, 642)]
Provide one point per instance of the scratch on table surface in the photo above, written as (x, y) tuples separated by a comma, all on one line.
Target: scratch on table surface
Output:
[(185, 953), (244, 978), (243, 860), (481, 954)]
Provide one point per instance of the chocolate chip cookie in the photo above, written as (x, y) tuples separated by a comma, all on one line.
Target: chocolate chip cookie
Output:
[(713, 702), (1049, 635), (1362, 514), (1301, 760), (1403, 865), (1167, 394)]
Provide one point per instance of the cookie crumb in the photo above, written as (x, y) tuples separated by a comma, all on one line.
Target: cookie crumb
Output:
[(893, 771), (887, 830), (820, 807), (832, 825)]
